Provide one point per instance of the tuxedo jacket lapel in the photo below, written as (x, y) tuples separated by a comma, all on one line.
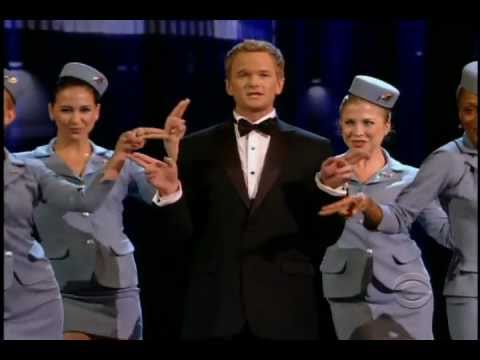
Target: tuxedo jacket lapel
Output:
[(231, 160)]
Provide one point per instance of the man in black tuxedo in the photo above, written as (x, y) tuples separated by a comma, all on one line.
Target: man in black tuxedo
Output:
[(249, 202)]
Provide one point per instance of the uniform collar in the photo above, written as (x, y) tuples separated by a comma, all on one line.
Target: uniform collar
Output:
[(465, 145), (271, 114), (391, 170), (12, 159), (12, 168), (97, 160), (49, 150)]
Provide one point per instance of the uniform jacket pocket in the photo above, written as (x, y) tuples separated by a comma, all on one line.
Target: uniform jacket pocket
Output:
[(406, 254), (346, 272)]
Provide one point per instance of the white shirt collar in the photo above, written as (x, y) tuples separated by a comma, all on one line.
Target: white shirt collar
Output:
[(273, 113)]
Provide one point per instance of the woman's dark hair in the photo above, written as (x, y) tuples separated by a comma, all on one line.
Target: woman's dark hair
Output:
[(68, 81)]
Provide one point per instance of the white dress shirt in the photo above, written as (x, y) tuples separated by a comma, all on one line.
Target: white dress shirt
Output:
[(252, 149)]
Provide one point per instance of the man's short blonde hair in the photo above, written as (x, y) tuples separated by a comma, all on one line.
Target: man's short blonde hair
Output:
[(250, 45)]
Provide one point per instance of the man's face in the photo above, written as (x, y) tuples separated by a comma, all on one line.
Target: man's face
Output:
[(254, 82)]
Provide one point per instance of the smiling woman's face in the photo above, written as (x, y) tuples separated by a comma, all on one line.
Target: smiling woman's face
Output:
[(364, 125)]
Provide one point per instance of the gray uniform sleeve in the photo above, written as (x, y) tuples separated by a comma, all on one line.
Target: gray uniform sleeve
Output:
[(434, 176), (64, 195), (434, 221), (139, 186)]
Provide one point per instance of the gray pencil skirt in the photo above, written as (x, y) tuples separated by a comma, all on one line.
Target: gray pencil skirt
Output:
[(112, 313)]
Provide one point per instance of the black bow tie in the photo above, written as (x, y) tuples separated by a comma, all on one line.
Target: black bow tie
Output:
[(266, 126)]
